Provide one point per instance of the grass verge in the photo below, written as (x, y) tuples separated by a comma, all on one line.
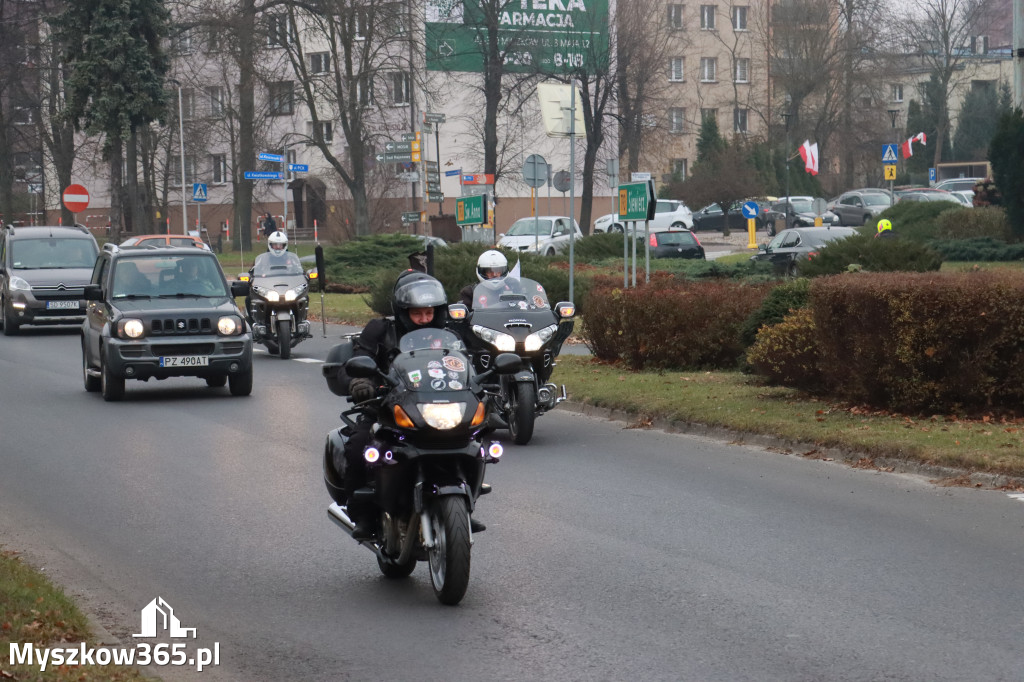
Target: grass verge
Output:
[(33, 610)]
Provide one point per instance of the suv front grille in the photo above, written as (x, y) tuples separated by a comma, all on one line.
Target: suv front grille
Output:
[(182, 325)]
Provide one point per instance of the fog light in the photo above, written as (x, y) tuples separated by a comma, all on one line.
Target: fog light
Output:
[(495, 450), (388, 455), (129, 371), (18, 305), (233, 367), (371, 454)]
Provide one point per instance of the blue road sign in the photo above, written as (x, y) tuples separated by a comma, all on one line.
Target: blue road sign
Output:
[(199, 191), (931, 175), (750, 209), (264, 156), (889, 153), (262, 175), (298, 167), (453, 173)]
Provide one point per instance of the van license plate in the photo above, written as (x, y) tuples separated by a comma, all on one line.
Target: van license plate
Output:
[(185, 361), (62, 305)]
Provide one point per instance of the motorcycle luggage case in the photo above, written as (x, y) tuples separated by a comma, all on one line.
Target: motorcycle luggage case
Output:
[(334, 368)]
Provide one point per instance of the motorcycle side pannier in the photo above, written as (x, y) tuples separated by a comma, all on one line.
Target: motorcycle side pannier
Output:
[(334, 368)]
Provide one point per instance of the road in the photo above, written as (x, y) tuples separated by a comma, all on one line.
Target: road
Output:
[(611, 553)]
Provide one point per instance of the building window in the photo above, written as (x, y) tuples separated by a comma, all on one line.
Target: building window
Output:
[(675, 16), (739, 18), (678, 168), (707, 17), (739, 120), (364, 90), (219, 170), (188, 104), (320, 62), (279, 30), (213, 40), (190, 169), (708, 113), (216, 95), (24, 116), (183, 42), (326, 129), (675, 69), (742, 70), (400, 87), (282, 98), (897, 92), (677, 120), (362, 25), (979, 45), (708, 69)]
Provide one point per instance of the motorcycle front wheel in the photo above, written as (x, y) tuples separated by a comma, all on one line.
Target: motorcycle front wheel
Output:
[(284, 338), (449, 557), (393, 536), (522, 399)]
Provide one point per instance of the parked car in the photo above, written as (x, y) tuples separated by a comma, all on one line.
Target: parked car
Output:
[(675, 244), (43, 271), (800, 213), (165, 240), (951, 184), (669, 214), (544, 234), (966, 196), (857, 207), (790, 247), (163, 312), (925, 194), (711, 217)]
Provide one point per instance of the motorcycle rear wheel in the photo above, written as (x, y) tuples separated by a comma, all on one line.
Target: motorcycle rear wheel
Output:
[(284, 338), (522, 398), (449, 558)]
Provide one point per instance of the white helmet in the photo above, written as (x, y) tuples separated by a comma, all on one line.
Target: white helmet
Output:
[(277, 242), (491, 265)]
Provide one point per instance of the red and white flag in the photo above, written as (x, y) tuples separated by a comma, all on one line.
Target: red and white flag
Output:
[(809, 153), (907, 147)]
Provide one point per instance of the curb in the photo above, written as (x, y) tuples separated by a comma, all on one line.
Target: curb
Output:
[(860, 459)]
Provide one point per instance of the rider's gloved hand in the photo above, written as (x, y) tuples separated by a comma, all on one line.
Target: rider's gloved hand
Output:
[(361, 389)]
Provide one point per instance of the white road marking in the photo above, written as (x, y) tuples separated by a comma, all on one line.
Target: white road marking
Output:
[(1016, 496)]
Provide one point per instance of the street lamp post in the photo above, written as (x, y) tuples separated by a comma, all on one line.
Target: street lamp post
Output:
[(785, 118), (181, 140), (893, 115)]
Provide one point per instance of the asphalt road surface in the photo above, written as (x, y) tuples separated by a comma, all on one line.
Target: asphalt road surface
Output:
[(611, 553)]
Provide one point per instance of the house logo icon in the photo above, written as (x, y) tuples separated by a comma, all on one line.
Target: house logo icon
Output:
[(158, 618)]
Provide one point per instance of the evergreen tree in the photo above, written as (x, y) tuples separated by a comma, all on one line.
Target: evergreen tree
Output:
[(709, 142), (979, 118), (922, 117), (117, 63), (1005, 153)]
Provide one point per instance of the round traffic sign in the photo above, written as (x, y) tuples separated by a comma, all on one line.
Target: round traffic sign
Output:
[(76, 198), (750, 209), (535, 171), (562, 181)]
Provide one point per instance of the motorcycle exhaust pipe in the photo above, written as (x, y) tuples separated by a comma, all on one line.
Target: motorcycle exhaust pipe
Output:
[(341, 518)]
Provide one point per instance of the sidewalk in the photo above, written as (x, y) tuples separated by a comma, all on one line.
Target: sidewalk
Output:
[(717, 244)]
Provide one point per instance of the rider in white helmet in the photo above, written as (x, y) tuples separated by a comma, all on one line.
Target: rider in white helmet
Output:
[(491, 266), (277, 242)]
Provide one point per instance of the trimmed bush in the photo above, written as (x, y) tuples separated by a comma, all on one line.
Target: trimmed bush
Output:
[(780, 301), (914, 220), (872, 254), (983, 249), (355, 265), (786, 353), (973, 223)]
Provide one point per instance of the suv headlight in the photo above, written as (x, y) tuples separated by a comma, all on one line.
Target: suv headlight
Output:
[(500, 340), (230, 325), (442, 416), (130, 328), (536, 340), (17, 283)]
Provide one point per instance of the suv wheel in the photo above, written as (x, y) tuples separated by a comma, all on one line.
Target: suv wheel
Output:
[(92, 383), (240, 383), (111, 387), (10, 326)]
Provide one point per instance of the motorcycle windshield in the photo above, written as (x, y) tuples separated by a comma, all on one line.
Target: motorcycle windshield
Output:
[(432, 360), (277, 265), (510, 293)]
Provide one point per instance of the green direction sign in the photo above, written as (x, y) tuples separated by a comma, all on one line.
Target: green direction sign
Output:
[(435, 197), (395, 157), (633, 200), (410, 217), (471, 210), (404, 146), (553, 36), (429, 117)]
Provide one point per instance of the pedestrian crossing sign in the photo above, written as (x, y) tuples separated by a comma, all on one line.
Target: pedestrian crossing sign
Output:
[(198, 191), (889, 153)]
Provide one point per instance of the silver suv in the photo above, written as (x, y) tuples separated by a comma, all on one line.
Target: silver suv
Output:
[(43, 272), (669, 214)]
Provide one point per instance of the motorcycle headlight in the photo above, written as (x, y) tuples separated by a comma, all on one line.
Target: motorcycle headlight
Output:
[(442, 416), (272, 296), (229, 325), (130, 328), (536, 340), (19, 283), (500, 340)]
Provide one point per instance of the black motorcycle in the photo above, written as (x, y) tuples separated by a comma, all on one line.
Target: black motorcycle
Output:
[(278, 302), (426, 456), (514, 316)]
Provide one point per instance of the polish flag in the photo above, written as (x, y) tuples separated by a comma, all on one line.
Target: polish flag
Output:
[(809, 153), (907, 147)]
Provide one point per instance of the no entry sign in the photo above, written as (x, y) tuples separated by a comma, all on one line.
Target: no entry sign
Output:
[(76, 198)]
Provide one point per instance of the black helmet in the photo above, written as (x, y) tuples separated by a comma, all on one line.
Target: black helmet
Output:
[(418, 290)]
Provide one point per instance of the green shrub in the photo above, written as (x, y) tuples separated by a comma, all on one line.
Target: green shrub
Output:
[(357, 263), (872, 254), (913, 220), (599, 247), (780, 301), (787, 352), (984, 249), (668, 324), (973, 223)]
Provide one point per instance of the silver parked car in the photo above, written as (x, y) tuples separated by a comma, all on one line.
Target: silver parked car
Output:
[(857, 207)]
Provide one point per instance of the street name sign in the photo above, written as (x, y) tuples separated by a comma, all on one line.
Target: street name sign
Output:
[(265, 156), (471, 210), (298, 167), (428, 117), (262, 175), (633, 201)]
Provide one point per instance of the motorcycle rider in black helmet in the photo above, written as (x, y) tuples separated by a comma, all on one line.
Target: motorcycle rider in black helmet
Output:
[(418, 301)]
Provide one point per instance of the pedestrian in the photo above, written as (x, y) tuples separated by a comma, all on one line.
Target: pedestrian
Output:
[(269, 224), (884, 230)]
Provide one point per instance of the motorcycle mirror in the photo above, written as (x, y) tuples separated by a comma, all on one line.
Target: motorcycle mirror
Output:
[(362, 367), (321, 268), (243, 277), (458, 311), (565, 309)]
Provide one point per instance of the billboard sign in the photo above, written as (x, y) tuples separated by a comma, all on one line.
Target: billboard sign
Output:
[(554, 37)]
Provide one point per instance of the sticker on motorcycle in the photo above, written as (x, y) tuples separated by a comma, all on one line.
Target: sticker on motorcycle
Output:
[(437, 384), (453, 375), (538, 301), (415, 376), (523, 305), (434, 364), (454, 363), (436, 373), (455, 385)]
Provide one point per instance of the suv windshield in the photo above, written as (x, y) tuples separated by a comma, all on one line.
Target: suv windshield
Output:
[(269, 265), (145, 276), (875, 199), (52, 253), (530, 227)]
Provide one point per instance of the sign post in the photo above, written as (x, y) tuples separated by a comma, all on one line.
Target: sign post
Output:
[(635, 199), (750, 211), (535, 174)]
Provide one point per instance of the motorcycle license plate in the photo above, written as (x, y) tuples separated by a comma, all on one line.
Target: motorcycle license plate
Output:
[(184, 361), (62, 305)]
